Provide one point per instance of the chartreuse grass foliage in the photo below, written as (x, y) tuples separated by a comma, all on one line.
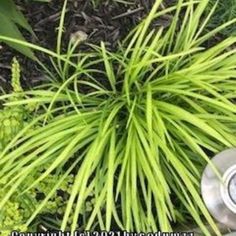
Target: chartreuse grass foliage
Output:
[(19, 207), (135, 126)]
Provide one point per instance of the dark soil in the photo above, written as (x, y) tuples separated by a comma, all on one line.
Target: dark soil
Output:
[(110, 22)]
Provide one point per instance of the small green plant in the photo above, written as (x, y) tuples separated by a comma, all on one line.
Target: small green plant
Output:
[(135, 127), (11, 18), (225, 11), (19, 208), (12, 119)]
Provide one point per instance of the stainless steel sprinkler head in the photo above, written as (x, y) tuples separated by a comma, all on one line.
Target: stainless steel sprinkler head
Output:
[(219, 194)]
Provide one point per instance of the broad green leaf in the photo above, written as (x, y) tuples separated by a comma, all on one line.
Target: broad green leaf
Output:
[(9, 29), (10, 17)]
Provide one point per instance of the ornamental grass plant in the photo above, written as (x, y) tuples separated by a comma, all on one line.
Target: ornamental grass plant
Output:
[(135, 127)]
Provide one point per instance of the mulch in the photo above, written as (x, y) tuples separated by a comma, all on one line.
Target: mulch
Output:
[(109, 21)]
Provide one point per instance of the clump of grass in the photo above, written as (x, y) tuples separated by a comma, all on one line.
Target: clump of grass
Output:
[(134, 126)]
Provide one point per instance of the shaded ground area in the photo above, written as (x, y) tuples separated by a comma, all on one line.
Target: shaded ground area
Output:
[(109, 21)]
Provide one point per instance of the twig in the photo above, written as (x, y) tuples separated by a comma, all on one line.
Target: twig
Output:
[(49, 18), (129, 12), (4, 66)]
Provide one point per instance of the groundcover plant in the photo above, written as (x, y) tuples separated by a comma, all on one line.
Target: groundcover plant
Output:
[(133, 129), (226, 10)]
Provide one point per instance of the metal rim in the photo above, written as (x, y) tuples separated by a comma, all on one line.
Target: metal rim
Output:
[(225, 188), (219, 190)]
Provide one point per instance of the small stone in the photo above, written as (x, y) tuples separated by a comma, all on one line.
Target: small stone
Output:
[(78, 37)]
